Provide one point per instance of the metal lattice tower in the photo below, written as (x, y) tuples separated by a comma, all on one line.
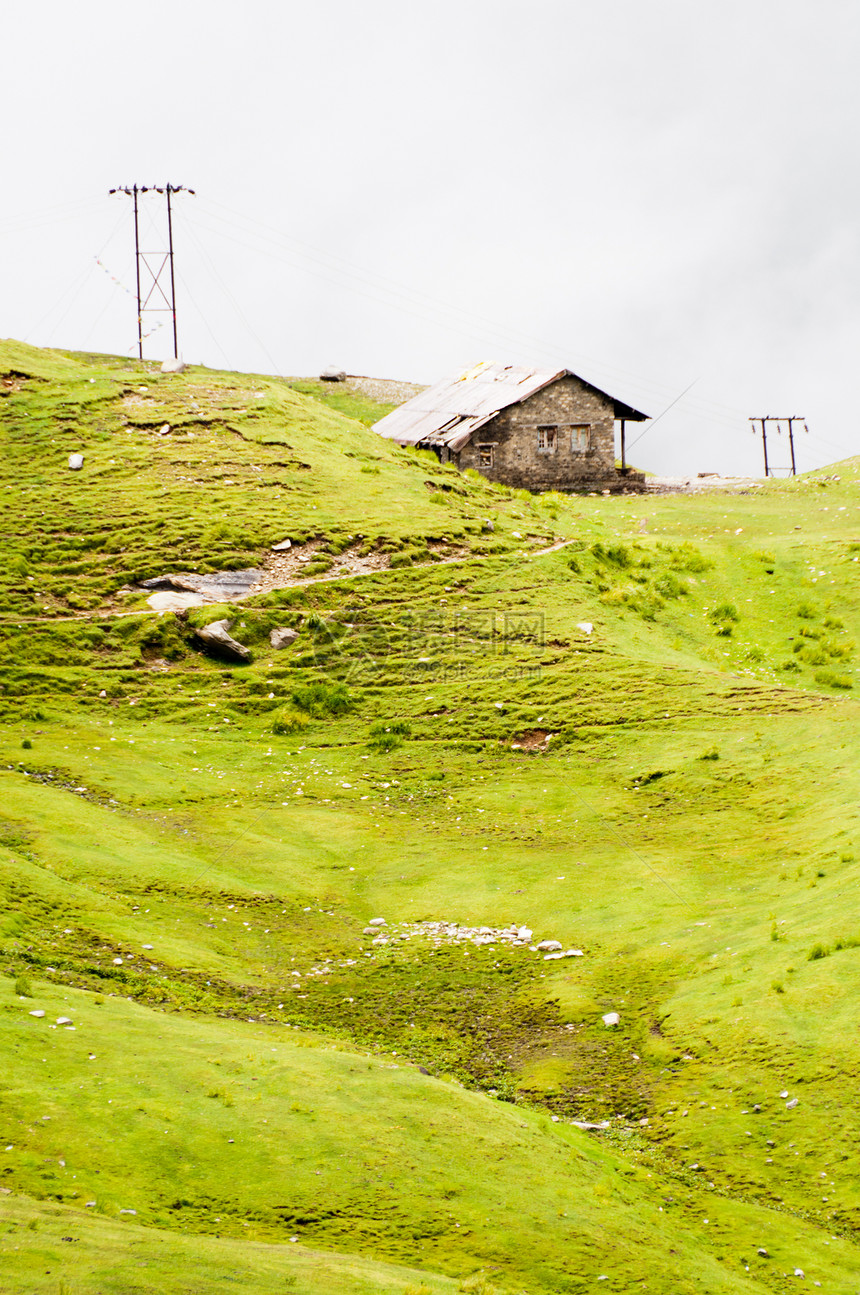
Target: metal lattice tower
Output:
[(156, 290)]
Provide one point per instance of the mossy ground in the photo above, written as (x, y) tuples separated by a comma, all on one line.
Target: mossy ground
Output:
[(691, 826)]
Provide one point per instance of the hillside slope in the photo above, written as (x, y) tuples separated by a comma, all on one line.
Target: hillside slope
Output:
[(625, 724)]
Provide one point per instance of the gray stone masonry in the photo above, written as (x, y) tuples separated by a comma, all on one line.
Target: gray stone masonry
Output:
[(561, 438)]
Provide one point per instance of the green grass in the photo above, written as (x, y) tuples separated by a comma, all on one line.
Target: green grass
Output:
[(690, 826)]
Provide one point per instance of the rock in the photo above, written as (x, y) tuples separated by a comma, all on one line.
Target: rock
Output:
[(217, 638), (798, 1272), (548, 957), (789, 1106), (164, 429), (38, 1012), (488, 524), (282, 547), (370, 930), (585, 1124), (764, 1253), (523, 933), (331, 374), (282, 637), (219, 586), (784, 1093), (549, 946), (585, 626), (377, 921), (76, 462), (173, 601), (574, 953), (64, 1020), (554, 1119), (173, 366), (611, 1018)]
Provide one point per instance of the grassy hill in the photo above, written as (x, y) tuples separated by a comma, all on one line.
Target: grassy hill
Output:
[(265, 1091)]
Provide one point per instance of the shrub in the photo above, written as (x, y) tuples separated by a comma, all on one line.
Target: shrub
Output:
[(711, 754), (386, 737), (323, 699), (726, 612), (289, 721), (23, 987), (817, 951), (669, 586), (830, 679), (806, 611)]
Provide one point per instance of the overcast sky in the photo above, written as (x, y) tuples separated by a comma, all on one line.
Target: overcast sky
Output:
[(654, 193)]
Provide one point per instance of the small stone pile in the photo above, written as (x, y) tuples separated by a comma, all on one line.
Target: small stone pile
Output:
[(439, 933)]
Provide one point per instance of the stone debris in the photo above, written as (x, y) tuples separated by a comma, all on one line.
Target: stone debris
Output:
[(282, 637), (64, 1020), (585, 626), (789, 1106), (611, 1018), (282, 547), (516, 935), (38, 1012), (587, 1124), (76, 462)]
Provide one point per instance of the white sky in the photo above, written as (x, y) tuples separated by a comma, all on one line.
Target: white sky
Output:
[(652, 192)]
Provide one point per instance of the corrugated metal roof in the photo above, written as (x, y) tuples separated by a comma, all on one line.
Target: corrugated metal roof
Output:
[(449, 412)]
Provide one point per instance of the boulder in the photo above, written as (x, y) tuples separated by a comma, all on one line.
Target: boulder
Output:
[(611, 1019), (331, 374), (549, 946), (76, 462), (282, 547), (217, 638), (282, 637), (173, 366)]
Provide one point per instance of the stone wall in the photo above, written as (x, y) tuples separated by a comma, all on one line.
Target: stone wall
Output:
[(561, 438)]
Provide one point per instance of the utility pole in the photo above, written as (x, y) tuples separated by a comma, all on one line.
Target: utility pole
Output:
[(153, 263), (769, 418)]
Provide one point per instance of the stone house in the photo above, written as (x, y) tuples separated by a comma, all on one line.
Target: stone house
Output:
[(536, 429)]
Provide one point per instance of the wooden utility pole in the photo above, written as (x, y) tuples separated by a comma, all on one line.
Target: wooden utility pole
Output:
[(154, 263), (769, 418)]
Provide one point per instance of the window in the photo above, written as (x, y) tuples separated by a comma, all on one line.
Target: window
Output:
[(546, 438), (485, 456), (580, 438)]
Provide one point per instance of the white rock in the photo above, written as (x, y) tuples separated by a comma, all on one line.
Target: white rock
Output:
[(64, 1020), (789, 1106), (549, 946), (611, 1018), (76, 462), (377, 921), (784, 1093), (574, 953), (38, 1012), (117, 962), (523, 933), (282, 547), (585, 626), (798, 1272), (548, 957), (164, 429), (174, 365)]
